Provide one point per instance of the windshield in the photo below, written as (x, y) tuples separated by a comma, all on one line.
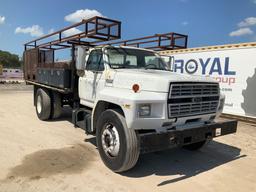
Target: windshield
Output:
[(134, 58)]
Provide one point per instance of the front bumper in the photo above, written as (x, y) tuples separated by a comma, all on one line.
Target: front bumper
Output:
[(150, 142)]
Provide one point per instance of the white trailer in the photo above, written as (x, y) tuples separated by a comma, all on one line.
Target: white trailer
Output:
[(233, 66)]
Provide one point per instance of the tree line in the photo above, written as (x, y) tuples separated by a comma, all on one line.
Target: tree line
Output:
[(9, 60)]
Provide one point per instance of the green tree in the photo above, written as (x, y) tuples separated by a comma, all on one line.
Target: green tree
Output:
[(9, 60)]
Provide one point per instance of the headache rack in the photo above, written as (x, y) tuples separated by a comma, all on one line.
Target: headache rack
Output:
[(42, 69), (157, 42), (88, 32)]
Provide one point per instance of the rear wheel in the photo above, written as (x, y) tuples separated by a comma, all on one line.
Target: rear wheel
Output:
[(43, 104), (195, 146), (118, 146)]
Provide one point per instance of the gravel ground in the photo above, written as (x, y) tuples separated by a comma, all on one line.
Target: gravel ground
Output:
[(55, 156)]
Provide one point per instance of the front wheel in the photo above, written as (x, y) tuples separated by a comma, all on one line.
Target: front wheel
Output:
[(118, 146)]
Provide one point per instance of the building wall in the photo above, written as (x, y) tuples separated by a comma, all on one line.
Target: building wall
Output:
[(11, 73)]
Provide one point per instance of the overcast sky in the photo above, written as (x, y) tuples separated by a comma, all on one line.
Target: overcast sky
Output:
[(207, 22)]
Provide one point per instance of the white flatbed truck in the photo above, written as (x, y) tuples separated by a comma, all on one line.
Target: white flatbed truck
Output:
[(127, 96)]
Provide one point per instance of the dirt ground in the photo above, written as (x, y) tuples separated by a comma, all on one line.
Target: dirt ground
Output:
[(55, 156)]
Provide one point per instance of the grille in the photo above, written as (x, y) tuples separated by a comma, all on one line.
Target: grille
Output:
[(186, 99), (184, 90)]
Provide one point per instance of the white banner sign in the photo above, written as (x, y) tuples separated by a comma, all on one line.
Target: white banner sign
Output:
[(235, 69)]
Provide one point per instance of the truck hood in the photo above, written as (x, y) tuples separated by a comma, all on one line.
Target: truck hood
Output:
[(152, 80)]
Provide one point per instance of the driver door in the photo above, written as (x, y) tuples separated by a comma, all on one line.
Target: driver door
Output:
[(93, 80)]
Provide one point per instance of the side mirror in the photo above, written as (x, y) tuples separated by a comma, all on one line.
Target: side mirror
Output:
[(81, 53), (170, 63)]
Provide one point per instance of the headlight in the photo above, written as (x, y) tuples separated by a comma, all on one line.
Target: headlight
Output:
[(144, 110)]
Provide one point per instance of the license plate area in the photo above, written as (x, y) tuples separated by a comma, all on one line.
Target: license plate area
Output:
[(217, 132)]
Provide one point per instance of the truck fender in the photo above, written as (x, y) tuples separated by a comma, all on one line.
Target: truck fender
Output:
[(100, 107)]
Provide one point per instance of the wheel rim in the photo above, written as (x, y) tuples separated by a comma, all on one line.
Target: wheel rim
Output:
[(110, 140), (39, 105)]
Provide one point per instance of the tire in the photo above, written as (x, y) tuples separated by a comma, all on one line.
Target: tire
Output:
[(195, 146), (127, 156), (43, 104), (56, 108)]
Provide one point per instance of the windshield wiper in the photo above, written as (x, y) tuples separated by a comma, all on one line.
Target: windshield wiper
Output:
[(155, 68), (120, 67)]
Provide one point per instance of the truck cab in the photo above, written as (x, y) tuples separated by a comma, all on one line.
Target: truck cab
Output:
[(141, 83)]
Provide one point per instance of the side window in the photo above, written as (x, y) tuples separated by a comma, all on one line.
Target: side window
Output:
[(131, 60), (95, 61)]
